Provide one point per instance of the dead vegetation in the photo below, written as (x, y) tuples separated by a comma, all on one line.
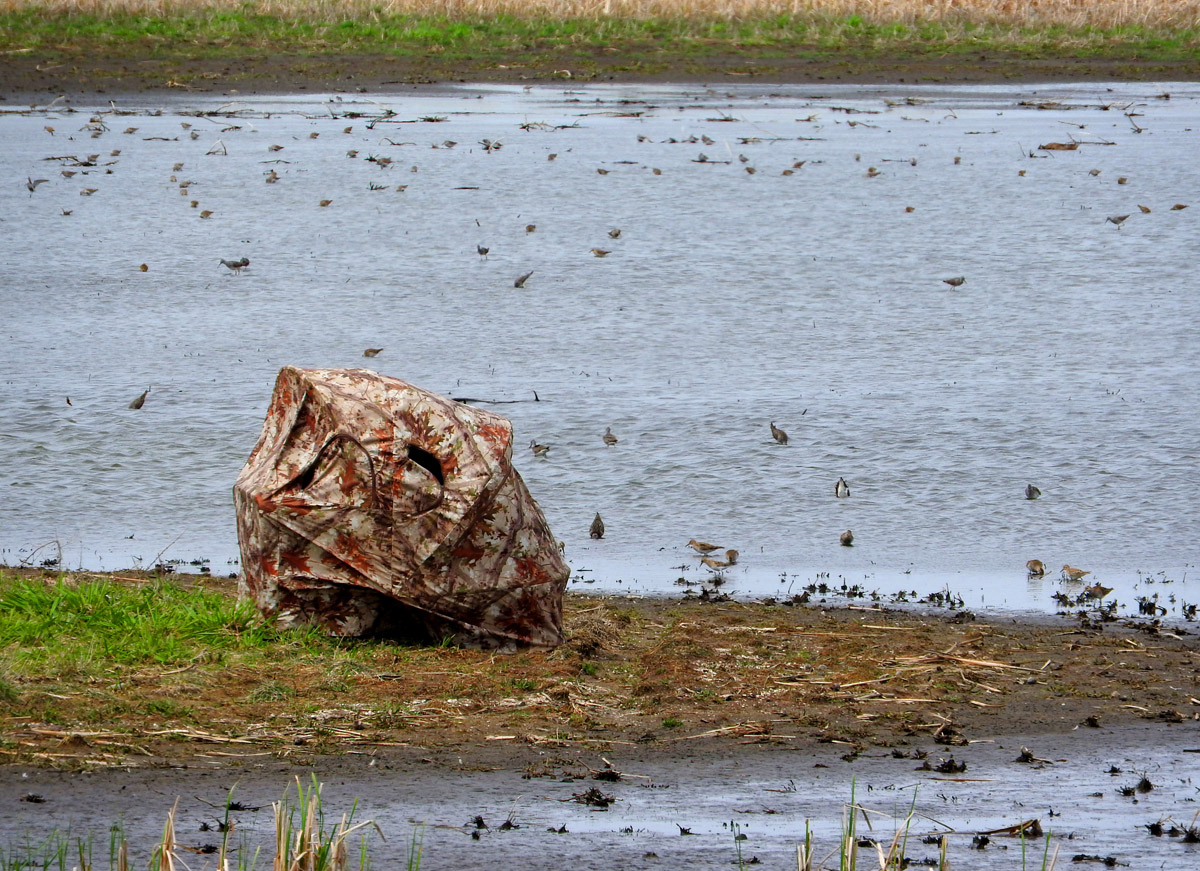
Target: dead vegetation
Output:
[(631, 671)]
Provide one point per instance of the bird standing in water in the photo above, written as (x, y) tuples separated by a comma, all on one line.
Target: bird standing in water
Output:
[(702, 547), (1073, 574), (778, 434), (841, 489), (609, 438), (731, 558), (236, 265), (141, 400), (597, 530), (846, 539), (957, 281), (538, 450), (1032, 492), (1035, 568)]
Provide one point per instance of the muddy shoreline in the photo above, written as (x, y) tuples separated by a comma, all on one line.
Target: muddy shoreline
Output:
[(24, 76)]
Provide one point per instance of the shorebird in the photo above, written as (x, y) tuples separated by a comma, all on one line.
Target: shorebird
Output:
[(140, 401), (32, 183), (597, 530), (846, 539), (1035, 568), (1116, 219), (601, 252), (841, 489), (614, 233), (1096, 591), (483, 252), (731, 558), (236, 265), (529, 228), (778, 434), (1032, 492), (955, 282), (372, 352), (609, 438), (521, 279), (702, 547), (538, 450), (1071, 574)]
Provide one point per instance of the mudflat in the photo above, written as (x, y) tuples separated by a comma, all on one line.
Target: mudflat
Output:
[(31, 74)]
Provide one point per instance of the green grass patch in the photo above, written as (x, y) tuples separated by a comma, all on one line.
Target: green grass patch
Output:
[(240, 32)]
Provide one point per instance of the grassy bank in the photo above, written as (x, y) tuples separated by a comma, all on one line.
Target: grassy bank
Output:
[(484, 33), (124, 669)]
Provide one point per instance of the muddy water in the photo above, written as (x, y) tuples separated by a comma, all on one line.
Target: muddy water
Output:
[(764, 793), (805, 293)]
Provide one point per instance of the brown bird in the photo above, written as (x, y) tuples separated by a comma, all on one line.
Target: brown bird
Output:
[(955, 282), (841, 489), (601, 252), (521, 279), (597, 530), (609, 438), (1178, 207), (1032, 492), (538, 450), (1145, 210), (529, 228), (702, 547), (778, 434), (731, 558), (614, 233), (140, 401), (236, 265), (1096, 591), (1035, 568), (846, 539), (372, 352), (324, 203), (1071, 574)]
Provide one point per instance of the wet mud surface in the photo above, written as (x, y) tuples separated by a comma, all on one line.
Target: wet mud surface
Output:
[(282, 73)]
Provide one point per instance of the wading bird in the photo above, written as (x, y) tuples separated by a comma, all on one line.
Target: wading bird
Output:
[(236, 265), (538, 450), (140, 401), (1032, 492), (372, 352), (956, 281), (521, 279), (1035, 568), (609, 438), (841, 489), (778, 434), (1073, 574), (702, 547), (731, 558), (597, 530), (846, 539), (1117, 219)]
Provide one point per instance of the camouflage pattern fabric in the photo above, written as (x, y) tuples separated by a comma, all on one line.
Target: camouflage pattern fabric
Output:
[(369, 503)]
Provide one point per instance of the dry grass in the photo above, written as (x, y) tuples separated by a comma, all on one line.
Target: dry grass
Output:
[(1073, 14)]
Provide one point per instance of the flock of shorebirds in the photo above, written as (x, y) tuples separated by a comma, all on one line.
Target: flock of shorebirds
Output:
[(841, 490)]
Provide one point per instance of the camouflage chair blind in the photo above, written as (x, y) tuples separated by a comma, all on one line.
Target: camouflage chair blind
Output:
[(369, 505)]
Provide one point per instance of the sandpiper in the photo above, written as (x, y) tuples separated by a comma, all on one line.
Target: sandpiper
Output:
[(846, 539), (956, 281), (1032, 492), (1117, 219), (841, 489), (778, 434), (1073, 574), (731, 558), (609, 438), (538, 450), (597, 530), (702, 547), (372, 352), (1035, 568), (521, 279), (236, 265), (141, 400), (483, 252)]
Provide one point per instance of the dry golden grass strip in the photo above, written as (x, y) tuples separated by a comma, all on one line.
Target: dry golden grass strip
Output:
[(1013, 13)]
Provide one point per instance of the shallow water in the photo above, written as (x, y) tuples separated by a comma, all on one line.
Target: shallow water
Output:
[(1067, 359), (766, 793)]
